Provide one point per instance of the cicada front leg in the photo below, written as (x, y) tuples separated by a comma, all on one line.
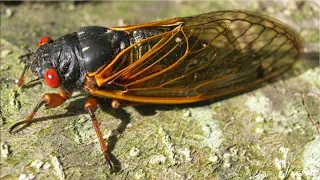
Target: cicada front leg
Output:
[(51, 100)]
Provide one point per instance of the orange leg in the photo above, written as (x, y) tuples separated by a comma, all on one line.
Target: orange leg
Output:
[(51, 100), (90, 106)]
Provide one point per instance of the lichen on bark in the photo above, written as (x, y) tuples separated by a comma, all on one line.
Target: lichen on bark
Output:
[(266, 133)]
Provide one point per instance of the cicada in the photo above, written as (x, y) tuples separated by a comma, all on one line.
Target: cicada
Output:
[(175, 61)]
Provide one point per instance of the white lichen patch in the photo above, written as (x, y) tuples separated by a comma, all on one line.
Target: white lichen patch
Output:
[(187, 154), (5, 52), (213, 136), (259, 130), (234, 150), (259, 176), (58, 167), (260, 125), (285, 152), (269, 118), (281, 162), (82, 130), (227, 157), (4, 148), (157, 159), (311, 159), (46, 166), (312, 76), (26, 177), (288, 130), (4, 67), (227, 165), (281, 166), (296, 175), (107, 135), (187, 114), (259, 118), (297, 127), (37, 164), (134, 152), (214, 159), (259, 104), (170, 148), (140, 174), (31, 176), (288, 119)]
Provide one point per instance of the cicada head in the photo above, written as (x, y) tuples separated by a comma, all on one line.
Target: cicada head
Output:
[(58, 62)]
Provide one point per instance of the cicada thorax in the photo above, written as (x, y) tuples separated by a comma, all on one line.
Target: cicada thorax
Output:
[(99, 45)]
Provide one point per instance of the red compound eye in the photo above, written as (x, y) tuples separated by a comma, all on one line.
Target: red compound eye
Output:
[(52, 78), (44, 40)]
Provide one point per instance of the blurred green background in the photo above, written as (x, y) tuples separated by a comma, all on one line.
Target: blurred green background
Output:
[(264, 134)]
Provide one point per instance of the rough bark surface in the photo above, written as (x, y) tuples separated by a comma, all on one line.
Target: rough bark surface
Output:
[(267, 133)]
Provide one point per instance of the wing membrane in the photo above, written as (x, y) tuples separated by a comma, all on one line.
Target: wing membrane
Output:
[(205, 56)]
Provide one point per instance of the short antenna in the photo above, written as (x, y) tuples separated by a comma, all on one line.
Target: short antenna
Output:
[(26, 67)]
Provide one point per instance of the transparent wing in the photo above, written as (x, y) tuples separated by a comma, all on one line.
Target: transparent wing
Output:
[(202, 57)]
